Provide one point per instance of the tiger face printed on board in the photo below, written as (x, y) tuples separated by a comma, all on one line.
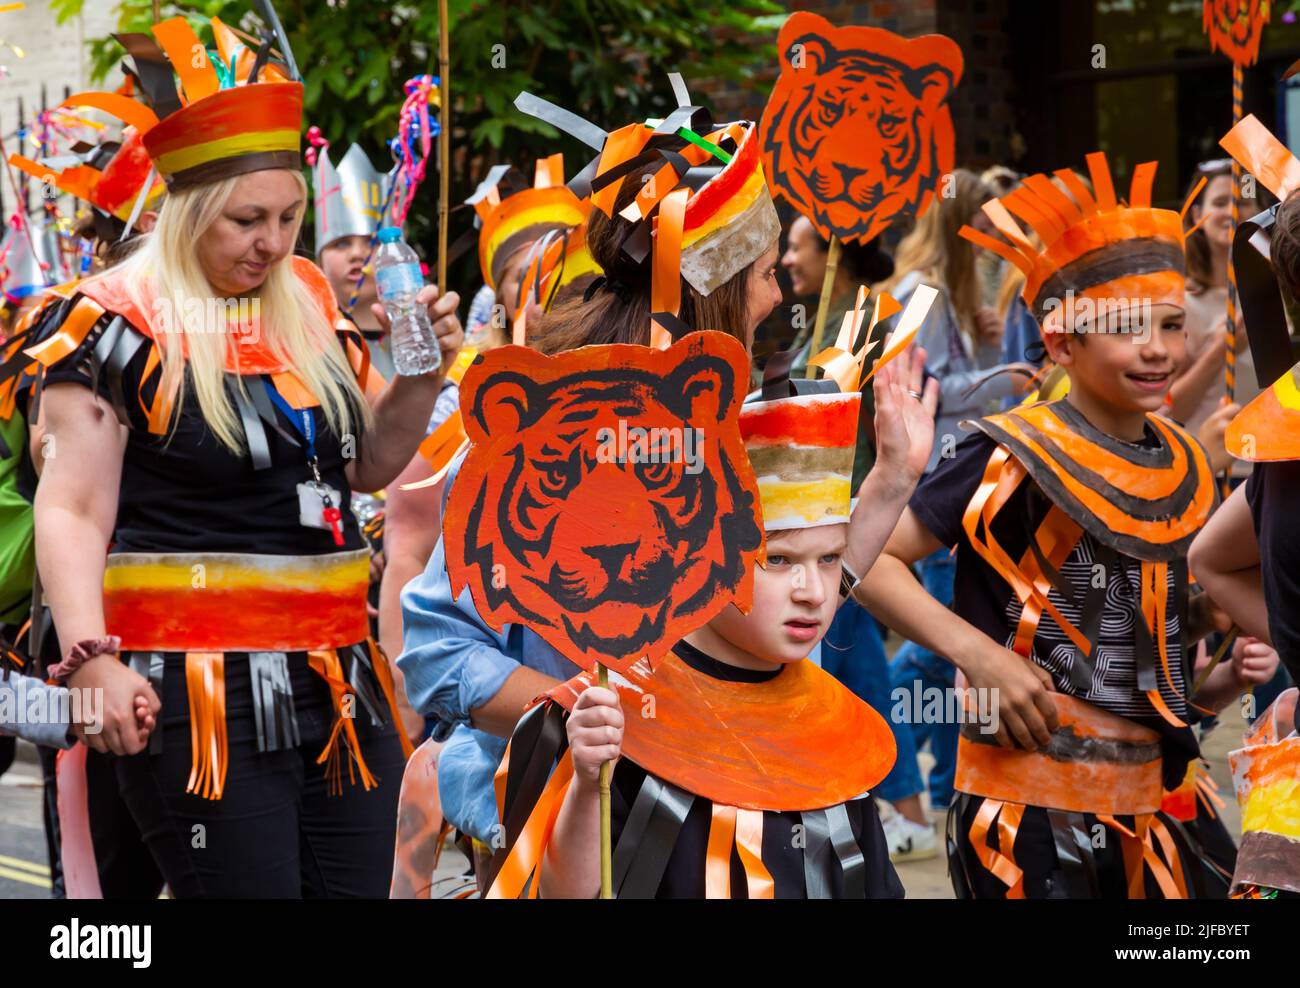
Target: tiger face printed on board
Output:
[(606, 502), (857, 132)]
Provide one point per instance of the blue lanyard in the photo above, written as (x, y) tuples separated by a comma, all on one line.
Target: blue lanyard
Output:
[(300, 418)]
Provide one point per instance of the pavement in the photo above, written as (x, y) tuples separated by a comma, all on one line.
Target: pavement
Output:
[(24, 869)]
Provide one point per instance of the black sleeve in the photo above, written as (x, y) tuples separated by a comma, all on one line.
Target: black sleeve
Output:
[(940, 500), (1255, 493)]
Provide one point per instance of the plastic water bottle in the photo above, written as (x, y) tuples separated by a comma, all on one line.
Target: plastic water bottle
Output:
[(398, 280)]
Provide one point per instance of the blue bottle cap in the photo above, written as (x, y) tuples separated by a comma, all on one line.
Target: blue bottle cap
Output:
[(390, 234)]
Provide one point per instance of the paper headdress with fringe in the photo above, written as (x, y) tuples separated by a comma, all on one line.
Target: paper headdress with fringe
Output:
[(1094, 246), (512, 214), (110, 176), (233, 114)]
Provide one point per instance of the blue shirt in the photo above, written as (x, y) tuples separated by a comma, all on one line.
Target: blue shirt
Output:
[(454, 663)]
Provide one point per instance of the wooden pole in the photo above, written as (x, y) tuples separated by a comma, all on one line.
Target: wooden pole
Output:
[(606, 828), (824, 302), (444, 140), (1230, 358)]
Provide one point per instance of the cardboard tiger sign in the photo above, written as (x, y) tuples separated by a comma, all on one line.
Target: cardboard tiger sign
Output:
[(1235, 27), (606, 502), (857, 132)]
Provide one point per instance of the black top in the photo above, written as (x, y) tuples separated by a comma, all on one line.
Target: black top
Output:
[(786, 836), (186, 492), (983, 598), (1271, 492)]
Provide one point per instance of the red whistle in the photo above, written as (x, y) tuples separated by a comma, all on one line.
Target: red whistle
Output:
[(334, 517)]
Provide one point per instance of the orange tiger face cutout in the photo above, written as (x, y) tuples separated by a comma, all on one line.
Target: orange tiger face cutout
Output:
[(857, 132), (607, 501), (1235, 27)]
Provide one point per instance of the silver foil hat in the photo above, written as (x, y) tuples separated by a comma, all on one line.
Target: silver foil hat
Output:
[(349, 199), (21, 268)]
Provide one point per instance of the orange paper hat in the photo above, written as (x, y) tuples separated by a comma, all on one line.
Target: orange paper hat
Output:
[(226, 123), (512, 217), (1094, 246), (111, 177), (704, 214), (1267, 429)]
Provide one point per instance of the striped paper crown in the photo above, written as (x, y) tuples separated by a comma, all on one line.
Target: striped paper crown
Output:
[(1093, 245), (801, 448), (111, 176), (233, 114), (512, 215), (801, 435)]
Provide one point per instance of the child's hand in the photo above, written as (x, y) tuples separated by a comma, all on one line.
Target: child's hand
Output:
[(1253, 662), (595, 730), (144, 719)]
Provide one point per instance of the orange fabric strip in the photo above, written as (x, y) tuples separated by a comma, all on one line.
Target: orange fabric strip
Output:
[(184, 50), (749, 843), (526, 856), (622, 144), (384, 673), (1001, 863), (70, 334), (1002, 476), (326, 664), (666, 283), (1174, 871), (1057, 536), (717, 862), (206, 683)]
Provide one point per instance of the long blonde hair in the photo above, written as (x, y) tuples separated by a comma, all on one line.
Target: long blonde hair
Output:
[(936, 250), (165, 271)]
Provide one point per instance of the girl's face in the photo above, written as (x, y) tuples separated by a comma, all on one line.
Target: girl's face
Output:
[(1216, 207), (763, 292), (804, 258), (254, 231), (795, 598), (343, 260)]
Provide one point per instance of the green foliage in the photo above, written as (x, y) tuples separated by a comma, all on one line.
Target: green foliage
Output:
[(605, 59)]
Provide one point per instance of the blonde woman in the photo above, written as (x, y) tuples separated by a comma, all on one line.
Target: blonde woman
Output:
[(205, 423)]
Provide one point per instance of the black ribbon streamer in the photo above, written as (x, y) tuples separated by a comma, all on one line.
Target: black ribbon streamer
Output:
[(273, 708), (648, 838)]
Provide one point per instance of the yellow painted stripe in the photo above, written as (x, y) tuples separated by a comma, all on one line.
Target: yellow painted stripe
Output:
[(227, 147), (26, 879), (542, 213), (811, 501), (1274, 807), (293, 573), (1285, 390), (729, 210), (31, 866)]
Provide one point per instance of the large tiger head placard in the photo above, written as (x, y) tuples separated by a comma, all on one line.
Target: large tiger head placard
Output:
[(607, 501), (857, 132)]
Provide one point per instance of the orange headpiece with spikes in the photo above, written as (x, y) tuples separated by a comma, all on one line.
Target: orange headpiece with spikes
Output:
[(1094, 246), (238, 113)]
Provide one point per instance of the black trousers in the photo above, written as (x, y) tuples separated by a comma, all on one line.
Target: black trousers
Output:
[(276, 832)]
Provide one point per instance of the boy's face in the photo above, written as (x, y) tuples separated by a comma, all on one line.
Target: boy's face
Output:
[(795, 596), (1130, 370)]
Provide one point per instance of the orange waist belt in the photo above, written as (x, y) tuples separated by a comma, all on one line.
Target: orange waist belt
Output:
[(236, 602), (208, 604), (1097, 763)]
